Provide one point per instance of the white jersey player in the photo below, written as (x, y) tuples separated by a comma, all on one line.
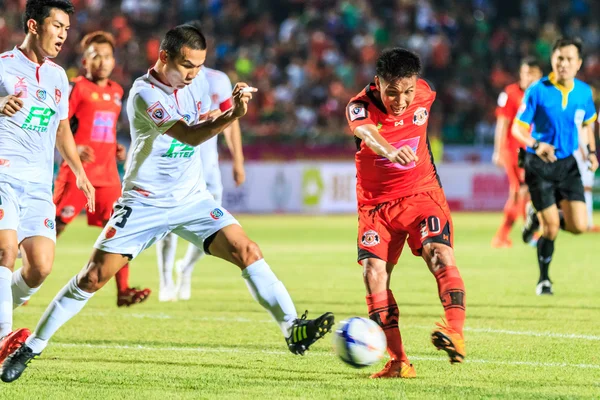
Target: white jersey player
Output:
[(220, 95), (587, 177), (163, 191), (33, 119)]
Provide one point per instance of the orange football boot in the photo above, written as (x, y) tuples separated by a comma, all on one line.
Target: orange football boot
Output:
[(396, 369), (447, 339)]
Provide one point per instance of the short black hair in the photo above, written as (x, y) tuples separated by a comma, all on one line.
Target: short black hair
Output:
[(39, 10), (183, 35), (568, 41), (98, 37), (531, 61), (397, 63)]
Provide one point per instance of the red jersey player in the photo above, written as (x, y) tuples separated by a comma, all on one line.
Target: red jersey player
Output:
[(506, 148), (94, 108), (400, 198)]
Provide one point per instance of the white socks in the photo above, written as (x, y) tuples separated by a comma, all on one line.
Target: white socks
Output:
[(67, 303), (589, 203), (192, 256), (21, 292), (270, 293), (165, 252), (6, 301)]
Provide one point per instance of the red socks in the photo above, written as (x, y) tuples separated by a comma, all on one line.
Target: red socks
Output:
[(452, 295), (384, 310), (122, 279)]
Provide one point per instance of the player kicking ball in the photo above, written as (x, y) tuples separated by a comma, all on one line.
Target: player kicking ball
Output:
[(33, 120), (94, 108), (400, 199), (163, 191)]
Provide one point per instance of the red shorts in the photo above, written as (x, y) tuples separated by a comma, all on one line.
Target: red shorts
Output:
[(421, 218), (70, 201), (516, 175)]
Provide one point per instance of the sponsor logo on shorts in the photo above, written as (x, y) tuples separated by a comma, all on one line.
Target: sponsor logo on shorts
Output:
[(370, 238), (110, 232), (420, 116), (48, 223), (216, 213), (1, 213), (41, 94), (67, 212)]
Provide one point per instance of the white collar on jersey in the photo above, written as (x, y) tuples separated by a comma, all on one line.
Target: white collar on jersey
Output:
[(21, 56), (151, 76)]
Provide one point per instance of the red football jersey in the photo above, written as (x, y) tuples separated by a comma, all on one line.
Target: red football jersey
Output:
[(378, 179), (93, 113), (508, 105)]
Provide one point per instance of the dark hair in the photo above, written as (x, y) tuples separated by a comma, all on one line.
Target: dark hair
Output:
[(397, 63), (39, 10), (97, 37), (531, 61), (568, 41), (183, 35)]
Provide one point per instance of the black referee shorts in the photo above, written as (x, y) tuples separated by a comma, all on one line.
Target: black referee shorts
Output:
[(549, 183)]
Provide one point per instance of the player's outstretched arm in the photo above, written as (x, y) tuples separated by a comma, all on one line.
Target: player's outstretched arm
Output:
[(233, 137), (194, 135), (369, 134), (68, 150), (499, 140)]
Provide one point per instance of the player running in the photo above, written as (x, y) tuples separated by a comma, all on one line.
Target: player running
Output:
[(164, 191), (400, 198), (557, 106), (506, 148), (220, 94), (33, 119), (94, 108)]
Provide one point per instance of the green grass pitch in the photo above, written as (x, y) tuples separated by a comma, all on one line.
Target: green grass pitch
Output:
[(221, 344)]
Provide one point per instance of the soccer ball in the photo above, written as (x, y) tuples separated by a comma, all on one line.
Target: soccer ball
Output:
[(359, 342)]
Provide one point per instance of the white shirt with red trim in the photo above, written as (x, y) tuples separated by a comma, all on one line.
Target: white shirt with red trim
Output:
[(27, 139), (220, 96), (161, 170)]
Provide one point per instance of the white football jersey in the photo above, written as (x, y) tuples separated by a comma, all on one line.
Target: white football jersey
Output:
[(161, 170), (27, 139), (220, 98)]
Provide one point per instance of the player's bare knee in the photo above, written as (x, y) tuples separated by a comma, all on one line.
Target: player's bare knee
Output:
[(89, 279), (550, 231), (250, 252), (438, 256)]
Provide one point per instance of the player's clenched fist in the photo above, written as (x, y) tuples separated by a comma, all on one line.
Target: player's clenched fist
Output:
[(242, 94), (11, 104), (403, 156)]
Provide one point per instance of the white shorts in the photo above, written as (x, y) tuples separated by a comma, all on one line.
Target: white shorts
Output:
[(210, 168), (135, 226), (587, 176), (27, 208)]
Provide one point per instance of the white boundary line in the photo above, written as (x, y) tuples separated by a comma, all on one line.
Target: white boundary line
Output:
[(162, 316), (274, 352)]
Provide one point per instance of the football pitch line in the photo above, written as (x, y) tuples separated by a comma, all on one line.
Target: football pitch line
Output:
[(162, 316), (273, 352)]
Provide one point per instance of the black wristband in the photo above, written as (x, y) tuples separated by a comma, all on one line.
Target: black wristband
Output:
[(535, 145), (590, 151)]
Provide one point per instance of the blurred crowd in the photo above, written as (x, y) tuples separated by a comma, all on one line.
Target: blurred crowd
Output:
[(309, 57)]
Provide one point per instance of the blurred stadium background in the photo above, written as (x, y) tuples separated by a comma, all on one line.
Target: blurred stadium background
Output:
[(309, 57)]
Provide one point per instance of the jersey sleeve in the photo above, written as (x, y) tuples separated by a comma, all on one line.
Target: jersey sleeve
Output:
[(590, 109), (528, 106), (223, 92), (150, 106), (502, 108), (358, 114)]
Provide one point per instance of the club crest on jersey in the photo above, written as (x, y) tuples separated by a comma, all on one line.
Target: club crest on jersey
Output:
[(1, 213), (216, 213), (21, 87), (420, 116), (57, 95), (187, 118), (110, 232), (48, 223), (357, 111), (370, 238), (67, 212), (41, 94), (158, 114)]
